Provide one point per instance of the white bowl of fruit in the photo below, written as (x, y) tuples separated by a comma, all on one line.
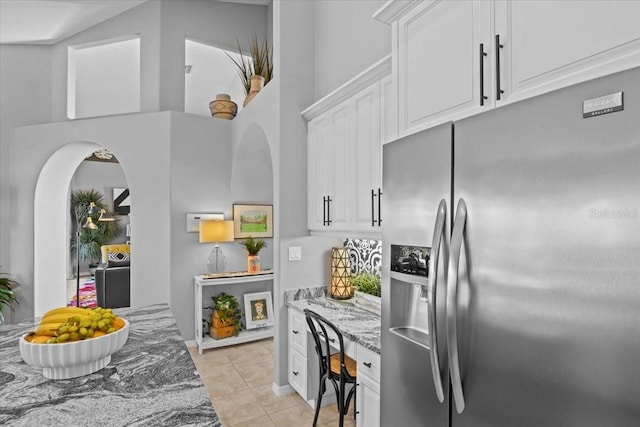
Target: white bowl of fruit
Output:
[(71, 342)]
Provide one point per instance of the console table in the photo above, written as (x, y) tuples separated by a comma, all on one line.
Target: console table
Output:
[(236, 283)]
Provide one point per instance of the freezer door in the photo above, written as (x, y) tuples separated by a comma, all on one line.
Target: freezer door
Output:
[(416, 177), (549, 279)]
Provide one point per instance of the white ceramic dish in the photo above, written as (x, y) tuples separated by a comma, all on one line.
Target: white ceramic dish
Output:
[(73, 359)]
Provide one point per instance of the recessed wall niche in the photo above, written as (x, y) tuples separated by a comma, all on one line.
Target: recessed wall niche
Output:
[(104, 78)]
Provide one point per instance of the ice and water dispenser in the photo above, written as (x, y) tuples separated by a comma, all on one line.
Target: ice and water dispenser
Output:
[(409, 279)]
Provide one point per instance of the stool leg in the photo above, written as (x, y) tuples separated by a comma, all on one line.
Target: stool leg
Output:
[(341, 399), (319, 399)]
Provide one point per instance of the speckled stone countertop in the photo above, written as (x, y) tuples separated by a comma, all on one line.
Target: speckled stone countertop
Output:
[(355, 323), (151, 381)]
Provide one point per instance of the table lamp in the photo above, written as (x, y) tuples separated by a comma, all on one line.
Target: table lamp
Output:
[(216, 231), (340, 273)]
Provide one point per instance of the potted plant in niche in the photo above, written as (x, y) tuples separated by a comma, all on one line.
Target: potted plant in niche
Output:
[(91, 240), (255, 72), (226, 316), (7, 295), (253, 247)]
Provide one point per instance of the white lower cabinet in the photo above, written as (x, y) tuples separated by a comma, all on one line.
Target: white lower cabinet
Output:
[(303, 371), (368, 388), (298, 361)]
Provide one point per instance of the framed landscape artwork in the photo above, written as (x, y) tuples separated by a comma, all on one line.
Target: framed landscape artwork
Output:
[(258, 309), (252, 220)]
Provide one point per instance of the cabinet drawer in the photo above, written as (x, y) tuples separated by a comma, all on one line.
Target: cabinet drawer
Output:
[(368, 363), (297, 374), (297, 331)]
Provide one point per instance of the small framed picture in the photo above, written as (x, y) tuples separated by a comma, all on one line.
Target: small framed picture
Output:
[(258, 310), (252, 220)]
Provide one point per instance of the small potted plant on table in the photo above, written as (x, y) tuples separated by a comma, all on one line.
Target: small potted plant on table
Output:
[(226, 316), (253, 247)]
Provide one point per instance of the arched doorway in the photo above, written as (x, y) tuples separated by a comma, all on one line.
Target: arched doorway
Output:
[(51, 234)]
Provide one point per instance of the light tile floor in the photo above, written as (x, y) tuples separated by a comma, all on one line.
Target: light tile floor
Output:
[(239, 379)]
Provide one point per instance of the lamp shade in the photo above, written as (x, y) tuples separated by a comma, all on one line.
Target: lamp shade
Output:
[(340, 273), (216, 231)]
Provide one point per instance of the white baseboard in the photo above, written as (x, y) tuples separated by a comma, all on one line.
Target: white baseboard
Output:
[(282, 390), (191, 343)]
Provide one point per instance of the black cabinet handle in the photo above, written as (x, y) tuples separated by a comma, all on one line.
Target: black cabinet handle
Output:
[(328, 210), (367, 364), (373, 214), (295, 373), (498, 47), (324, 210), (379, 209), (482, 55), (295, 332)]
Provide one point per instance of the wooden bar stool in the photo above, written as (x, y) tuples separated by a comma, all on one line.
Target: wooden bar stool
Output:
[(338, 368)]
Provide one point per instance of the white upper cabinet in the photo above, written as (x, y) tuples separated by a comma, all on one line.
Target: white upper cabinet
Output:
[(548, 45), (439, 75), (346, 131), (452, 59)]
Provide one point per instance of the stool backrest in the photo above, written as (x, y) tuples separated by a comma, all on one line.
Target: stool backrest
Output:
[(318, 326)]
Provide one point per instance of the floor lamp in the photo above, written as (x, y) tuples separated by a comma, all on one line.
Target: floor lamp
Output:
[(90, 225)]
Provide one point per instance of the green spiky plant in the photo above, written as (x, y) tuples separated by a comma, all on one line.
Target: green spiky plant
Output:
[(253, 246), (7, 294), (259, 61), (91, 240)]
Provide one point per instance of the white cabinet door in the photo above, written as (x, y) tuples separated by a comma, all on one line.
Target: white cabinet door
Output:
[(298, 373), (388, 110), (338, 167), (367, 402), (328, 136), (439, 57), (367, 162), (317, 137), (297, 331), (552, 44)]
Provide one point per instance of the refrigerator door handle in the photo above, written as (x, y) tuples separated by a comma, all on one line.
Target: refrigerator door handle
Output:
[(457, 237), (436, 245)]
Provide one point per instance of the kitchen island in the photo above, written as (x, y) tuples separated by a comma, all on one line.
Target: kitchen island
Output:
[(151, 381)]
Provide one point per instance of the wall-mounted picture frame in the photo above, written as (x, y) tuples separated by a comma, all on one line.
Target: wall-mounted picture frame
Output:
[(252, 220), (258, 310), (121, 201)]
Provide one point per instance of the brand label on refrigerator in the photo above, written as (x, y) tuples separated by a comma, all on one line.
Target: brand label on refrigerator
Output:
[(602, 105)]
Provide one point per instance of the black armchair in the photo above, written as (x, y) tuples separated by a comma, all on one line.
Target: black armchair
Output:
[(113, 288)]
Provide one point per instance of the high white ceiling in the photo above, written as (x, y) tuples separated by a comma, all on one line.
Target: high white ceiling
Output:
[(49, 21)]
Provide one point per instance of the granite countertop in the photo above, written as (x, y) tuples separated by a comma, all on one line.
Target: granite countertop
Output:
[(355, 323), (151, 381)]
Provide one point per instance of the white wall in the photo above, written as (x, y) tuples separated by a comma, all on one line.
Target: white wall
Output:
[(104, 79), (212, 72), (25, 98), (347, 41)]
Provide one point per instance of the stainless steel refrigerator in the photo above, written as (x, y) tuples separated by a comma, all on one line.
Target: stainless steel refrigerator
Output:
[(529, 314)]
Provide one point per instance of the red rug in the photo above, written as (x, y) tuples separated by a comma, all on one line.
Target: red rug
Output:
[(87, 295)]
